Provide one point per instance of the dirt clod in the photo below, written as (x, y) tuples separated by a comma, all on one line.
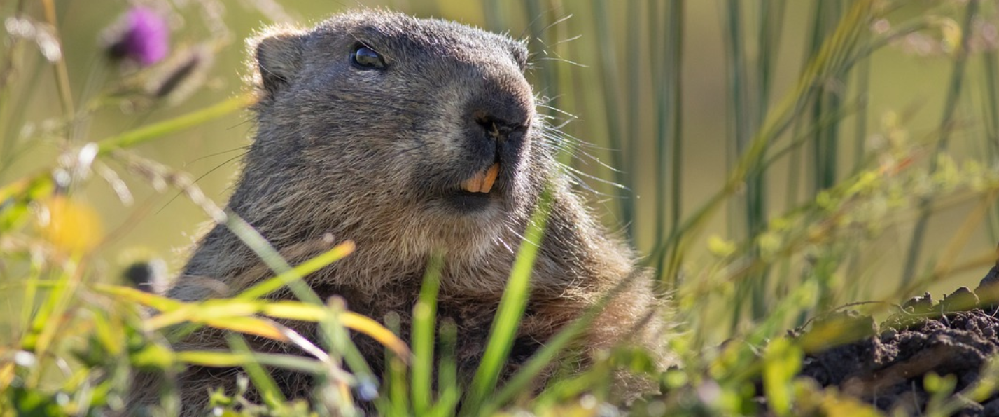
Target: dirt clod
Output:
[(888, 367)]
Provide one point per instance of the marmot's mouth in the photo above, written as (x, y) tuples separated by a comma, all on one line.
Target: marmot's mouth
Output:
[(482, 181)]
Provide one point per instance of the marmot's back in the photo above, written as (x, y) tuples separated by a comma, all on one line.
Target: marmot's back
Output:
[(409, 137)]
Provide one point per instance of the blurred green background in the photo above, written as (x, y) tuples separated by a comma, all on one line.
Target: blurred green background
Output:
[(902, 82)]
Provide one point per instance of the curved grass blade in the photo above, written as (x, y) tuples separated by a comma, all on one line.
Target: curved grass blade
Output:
[(189, 120), (266, 287)]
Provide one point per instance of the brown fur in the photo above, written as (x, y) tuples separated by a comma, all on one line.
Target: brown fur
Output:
[(371, 156)]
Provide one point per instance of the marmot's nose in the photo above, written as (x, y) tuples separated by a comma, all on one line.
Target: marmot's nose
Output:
[(502, 107)]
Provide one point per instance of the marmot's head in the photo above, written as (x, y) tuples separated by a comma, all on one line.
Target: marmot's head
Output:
[(420, 127)]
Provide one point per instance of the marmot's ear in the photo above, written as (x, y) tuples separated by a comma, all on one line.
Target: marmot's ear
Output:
[(278, 56)]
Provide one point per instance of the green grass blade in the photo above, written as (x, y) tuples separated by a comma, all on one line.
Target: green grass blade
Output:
[(187, 121), (737, 115), (990, 61), (261, 379), (341, 346), (612, 105), (396, 402), (632, 125), (863, 80), (266, 287), (256, 242), (511, 309), (771, 20), (954, 88), (495, 21), (739, 127), (226, 359), (424, 323), (10, 120), (669, 131), (540, 39), (448, 391)]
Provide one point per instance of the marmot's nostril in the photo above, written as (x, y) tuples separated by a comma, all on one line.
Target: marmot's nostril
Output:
[(495, 127)]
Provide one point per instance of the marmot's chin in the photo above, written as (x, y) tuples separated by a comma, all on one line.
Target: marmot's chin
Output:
[(468, 203)]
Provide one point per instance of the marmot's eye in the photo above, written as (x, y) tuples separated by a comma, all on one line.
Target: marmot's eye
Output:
[(366, 58)]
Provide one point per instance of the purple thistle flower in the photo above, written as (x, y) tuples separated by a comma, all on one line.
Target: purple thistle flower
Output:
[(140, 35)]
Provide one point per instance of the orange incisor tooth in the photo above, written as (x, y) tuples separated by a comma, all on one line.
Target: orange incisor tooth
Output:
[(474, 184), (490, 178)]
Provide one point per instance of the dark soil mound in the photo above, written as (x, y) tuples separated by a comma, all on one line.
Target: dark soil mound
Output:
[(887, 366)]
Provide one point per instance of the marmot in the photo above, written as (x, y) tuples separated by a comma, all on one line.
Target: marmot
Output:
[(409, 136)]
